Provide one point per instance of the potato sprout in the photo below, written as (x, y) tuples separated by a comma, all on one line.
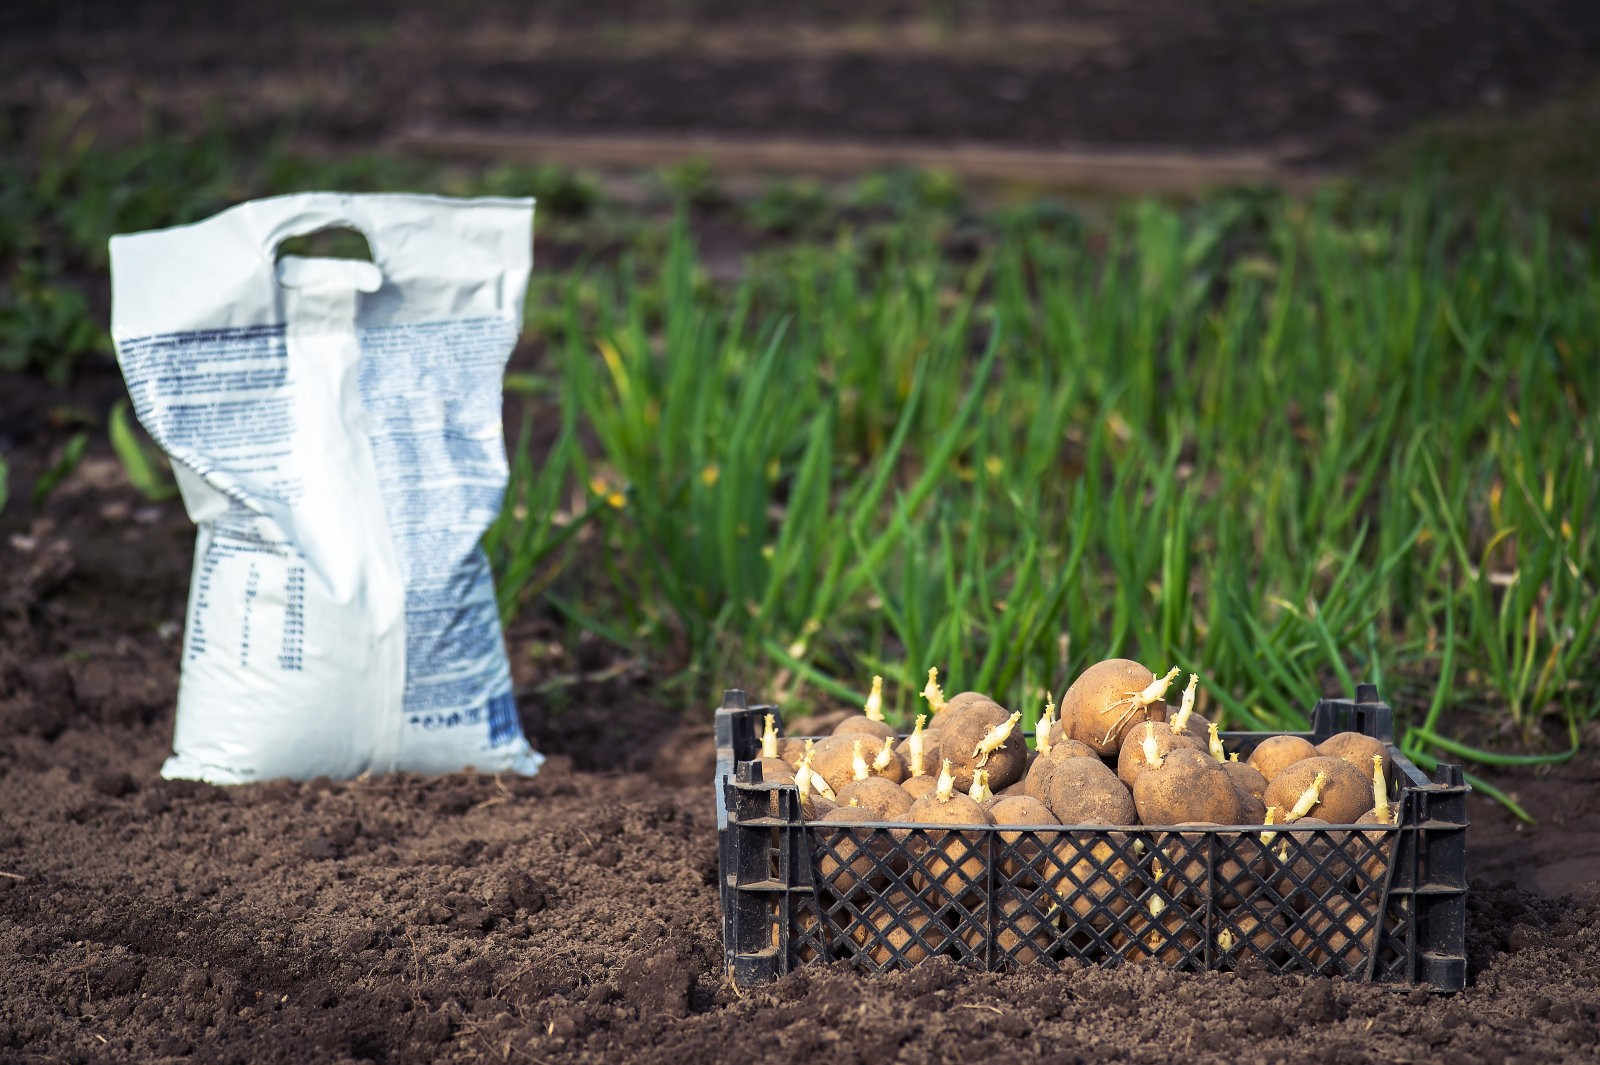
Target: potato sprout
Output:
[(860, 770), (874, 707), (1179, 722), (1108, 699), (994, 740), (1384, 813), (1137, 702), (1308, 798), (1047, 721), (1380, 793), (1147, 747), (816, 798), (932, 692), (814, 780), (914, 747), (1270, 819), (884, 759)]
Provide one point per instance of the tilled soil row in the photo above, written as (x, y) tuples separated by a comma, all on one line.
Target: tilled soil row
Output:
[(1321, 81)]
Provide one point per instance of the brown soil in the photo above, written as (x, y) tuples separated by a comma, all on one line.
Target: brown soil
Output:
[(572, 917), (1316, 80)]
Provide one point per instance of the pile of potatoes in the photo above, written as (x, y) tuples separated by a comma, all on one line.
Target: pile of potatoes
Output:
[(1115, 757)]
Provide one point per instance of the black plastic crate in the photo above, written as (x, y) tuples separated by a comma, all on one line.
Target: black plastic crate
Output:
[(1384, 903)]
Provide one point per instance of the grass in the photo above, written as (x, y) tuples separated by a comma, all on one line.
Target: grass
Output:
[(1285, 444)]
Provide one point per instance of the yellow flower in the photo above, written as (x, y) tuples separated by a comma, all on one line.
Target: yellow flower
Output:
[(709, 475)]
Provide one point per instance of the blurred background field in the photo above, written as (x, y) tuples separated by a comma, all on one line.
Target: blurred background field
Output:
[(1258, 339)]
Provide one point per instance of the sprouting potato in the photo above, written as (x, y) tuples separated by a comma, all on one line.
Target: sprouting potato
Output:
[(1344, 796), (1301, 858), (974, 740), (1307, 864), (1084, 792), (954, 861), (1036, 781), (853, 865), (1185, 785), (1108, 699), (1146, 745), (1357, 749), (879, 795), (1091, 877), (1029, 812), (834, 759), (1241, 868), (1276, 753), (1347, 932), (896, 923), (872, 756), (1020, 931)]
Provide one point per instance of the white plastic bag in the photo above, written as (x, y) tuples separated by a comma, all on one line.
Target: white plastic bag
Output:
[(334, 427)]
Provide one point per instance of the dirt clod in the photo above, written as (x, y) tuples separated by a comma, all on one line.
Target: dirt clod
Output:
[(656, 982)]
